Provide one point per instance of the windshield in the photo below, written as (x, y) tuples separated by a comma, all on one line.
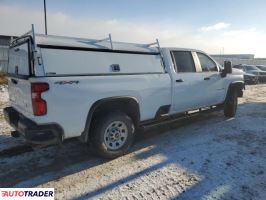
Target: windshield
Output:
[(262, 67), (251, 67)]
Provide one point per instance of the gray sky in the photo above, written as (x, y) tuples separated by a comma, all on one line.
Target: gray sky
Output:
[(235, 26)]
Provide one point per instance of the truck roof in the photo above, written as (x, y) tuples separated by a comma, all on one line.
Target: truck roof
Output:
[(182, 49)]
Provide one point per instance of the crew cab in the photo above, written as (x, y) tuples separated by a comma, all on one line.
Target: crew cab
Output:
[(103, 91)]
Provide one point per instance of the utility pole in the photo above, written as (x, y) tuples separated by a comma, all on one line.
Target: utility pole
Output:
[(45, 21)]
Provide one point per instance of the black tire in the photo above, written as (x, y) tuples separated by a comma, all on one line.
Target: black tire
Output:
[(103, 128), (230, 105)]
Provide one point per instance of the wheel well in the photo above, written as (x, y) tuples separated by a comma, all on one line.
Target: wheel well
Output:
[(127, 105), (238, 87)]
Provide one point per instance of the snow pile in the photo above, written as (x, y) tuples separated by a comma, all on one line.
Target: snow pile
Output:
[(4, 127), (3, 94)]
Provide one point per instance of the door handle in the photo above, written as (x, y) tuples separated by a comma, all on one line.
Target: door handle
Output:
[(207, 78), (179, 80), (14, 81), (115, 67)]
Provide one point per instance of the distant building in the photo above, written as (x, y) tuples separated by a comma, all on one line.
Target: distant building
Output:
[(4, 43), (240, 59)]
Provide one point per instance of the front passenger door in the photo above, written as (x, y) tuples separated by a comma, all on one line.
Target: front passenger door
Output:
[(212, 84)]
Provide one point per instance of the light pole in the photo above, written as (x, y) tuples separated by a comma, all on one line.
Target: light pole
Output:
[(45, 21)]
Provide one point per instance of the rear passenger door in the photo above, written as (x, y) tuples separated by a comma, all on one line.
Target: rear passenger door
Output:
[(186, 82), (212, 85)]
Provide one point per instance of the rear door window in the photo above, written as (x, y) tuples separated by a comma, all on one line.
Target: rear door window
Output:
[(19, 59), (183, 61)]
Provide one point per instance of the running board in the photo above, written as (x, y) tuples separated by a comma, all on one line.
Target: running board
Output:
[(168, 119)]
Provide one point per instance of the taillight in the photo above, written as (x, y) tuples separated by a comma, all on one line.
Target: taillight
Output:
[(38, 104)]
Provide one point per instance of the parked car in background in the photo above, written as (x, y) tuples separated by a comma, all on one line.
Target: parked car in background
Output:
[(261, 67), (251, 71), (251, 79)]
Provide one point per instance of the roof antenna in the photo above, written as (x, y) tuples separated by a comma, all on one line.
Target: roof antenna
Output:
[(45, 21)]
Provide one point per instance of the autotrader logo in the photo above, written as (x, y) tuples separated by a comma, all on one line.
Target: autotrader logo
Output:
[(26, 193)]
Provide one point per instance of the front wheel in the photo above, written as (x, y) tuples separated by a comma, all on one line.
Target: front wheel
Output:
[(112, 135), (230, 105)]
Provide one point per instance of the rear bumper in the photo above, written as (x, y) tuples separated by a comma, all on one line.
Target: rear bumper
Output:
[(32, 132)]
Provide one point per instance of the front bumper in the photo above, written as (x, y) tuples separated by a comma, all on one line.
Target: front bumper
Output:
[(262, 78), (31, 131), (251, 79)]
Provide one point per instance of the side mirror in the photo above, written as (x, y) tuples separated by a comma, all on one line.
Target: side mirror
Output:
[(227, 68)]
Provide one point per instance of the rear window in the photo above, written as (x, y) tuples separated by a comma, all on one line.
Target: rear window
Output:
[(18, 61)]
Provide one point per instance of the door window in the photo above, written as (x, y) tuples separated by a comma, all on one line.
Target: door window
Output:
[(207, 64), (183, 61)]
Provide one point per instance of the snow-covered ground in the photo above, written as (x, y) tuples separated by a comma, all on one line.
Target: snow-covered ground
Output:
[(206, 157), (5, 139)]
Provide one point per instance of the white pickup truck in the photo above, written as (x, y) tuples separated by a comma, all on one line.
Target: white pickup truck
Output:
[(103, 91)]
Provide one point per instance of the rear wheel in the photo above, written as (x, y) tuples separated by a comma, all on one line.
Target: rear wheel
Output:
[(230, 105), (112, 135)]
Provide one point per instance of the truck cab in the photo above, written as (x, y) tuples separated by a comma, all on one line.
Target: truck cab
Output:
[(196, 79)]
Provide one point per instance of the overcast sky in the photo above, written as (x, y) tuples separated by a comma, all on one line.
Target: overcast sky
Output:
[(232, 26)]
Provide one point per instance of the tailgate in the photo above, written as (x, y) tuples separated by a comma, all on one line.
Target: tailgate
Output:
[(20, 95)]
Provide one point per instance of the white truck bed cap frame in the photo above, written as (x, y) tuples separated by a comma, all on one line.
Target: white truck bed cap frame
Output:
[(106, 43)]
